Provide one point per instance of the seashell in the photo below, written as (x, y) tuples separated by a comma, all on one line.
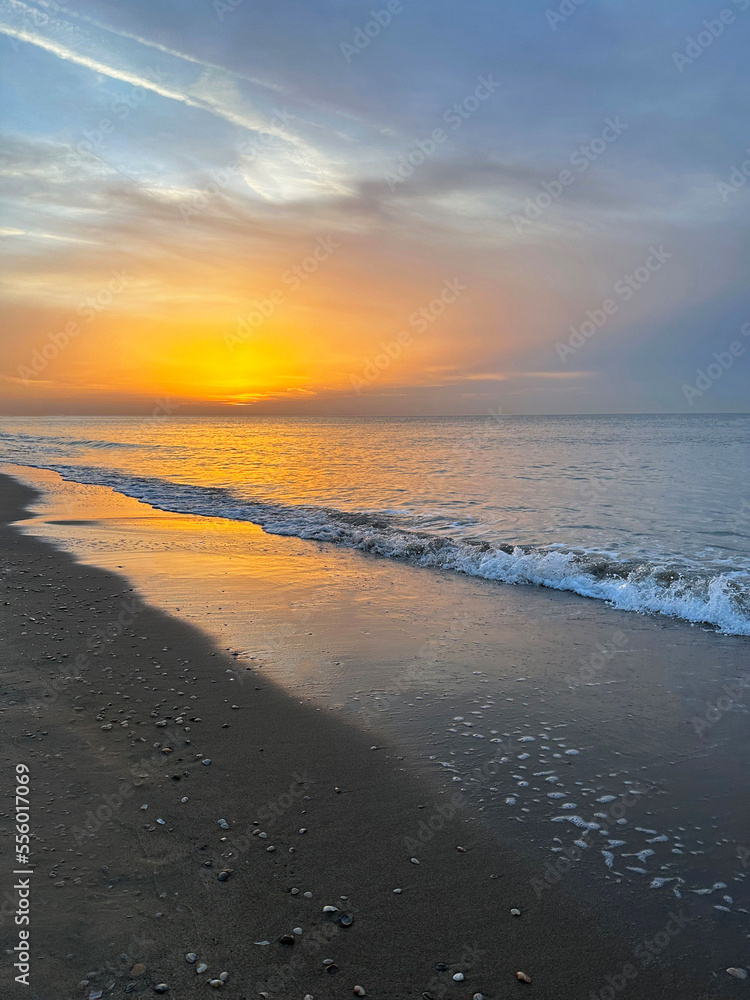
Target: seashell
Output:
[(223, 976), (223, 824), (523, 977), (737, 973), (458, 977), (515, 913), (201, 968), (294, 892), (346, 920), (161, 988), (359, 991), (330, 909), (332, 969), (216, 983), (206, 762), (223, 876), (414, 861), (461, 850), (478, 996), (191, 957), (287, 939), (271, 849), (296, 930), (307, 895)]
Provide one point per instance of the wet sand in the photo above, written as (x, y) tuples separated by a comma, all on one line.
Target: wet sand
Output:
[(119, 899)]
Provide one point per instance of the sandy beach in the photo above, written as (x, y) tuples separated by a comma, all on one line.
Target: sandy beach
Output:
[(374, 500), (127, 877)]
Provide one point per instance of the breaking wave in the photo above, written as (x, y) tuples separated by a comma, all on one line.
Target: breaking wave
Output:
[(655, 586)]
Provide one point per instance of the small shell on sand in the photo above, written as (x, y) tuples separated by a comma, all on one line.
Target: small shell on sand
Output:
[(515, 913), (458, 977), (737, 973), (523, 977)]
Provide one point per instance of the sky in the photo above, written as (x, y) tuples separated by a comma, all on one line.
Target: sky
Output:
[(389, 207)]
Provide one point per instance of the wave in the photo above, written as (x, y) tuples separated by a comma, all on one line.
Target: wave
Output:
[(24, 441), (656, 586)]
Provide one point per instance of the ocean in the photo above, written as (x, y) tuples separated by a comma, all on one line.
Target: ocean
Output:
[(650, 513)]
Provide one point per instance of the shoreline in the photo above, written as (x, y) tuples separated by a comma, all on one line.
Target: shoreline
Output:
[(110, 879)]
